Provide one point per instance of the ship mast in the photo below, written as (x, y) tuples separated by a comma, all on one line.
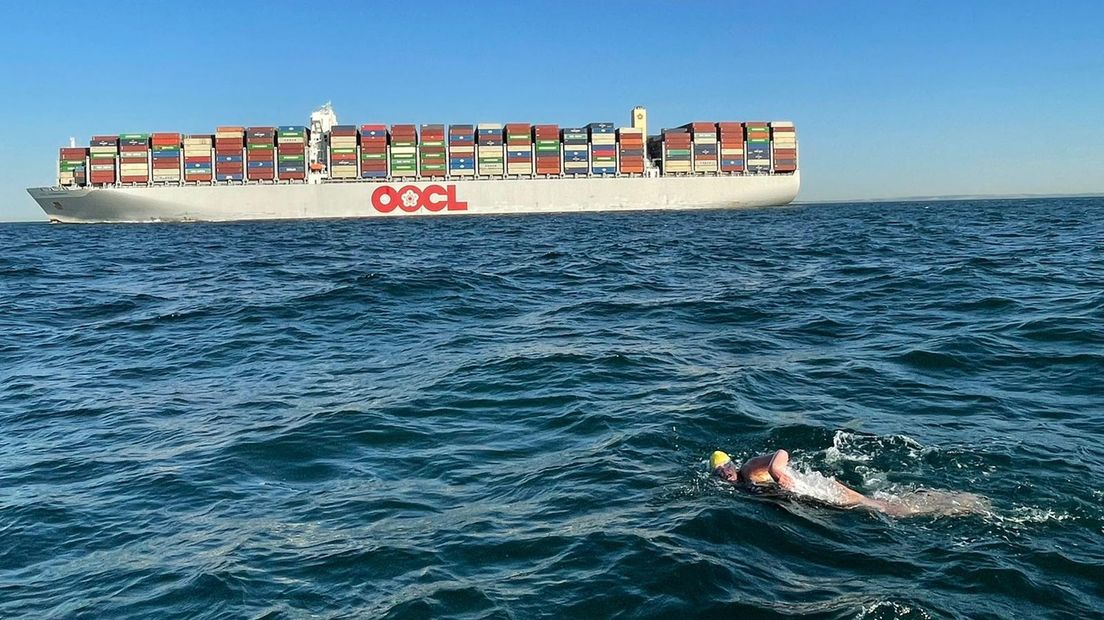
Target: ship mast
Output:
[(321, 121)]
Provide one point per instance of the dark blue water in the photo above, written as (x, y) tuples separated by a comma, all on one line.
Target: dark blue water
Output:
[(509, 417)]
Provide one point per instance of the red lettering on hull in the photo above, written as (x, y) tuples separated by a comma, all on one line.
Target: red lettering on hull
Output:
[(410, 198)]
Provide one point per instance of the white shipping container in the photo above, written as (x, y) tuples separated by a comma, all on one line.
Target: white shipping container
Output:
[(462, 150), (777, 124), (404, 150)]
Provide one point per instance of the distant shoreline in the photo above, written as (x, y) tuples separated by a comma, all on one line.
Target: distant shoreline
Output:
[(946, 198)]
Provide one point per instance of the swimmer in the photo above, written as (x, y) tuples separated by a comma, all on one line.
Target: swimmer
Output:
[(773, 470)]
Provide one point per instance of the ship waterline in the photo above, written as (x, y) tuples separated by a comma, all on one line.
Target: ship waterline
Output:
[(220, 203)]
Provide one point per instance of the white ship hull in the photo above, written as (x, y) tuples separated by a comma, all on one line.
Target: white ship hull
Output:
[(217, 203)]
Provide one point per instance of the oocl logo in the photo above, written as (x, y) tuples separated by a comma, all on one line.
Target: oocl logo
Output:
[(410, 198)]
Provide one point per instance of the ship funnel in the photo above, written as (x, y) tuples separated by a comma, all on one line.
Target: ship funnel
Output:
[(639, 120)]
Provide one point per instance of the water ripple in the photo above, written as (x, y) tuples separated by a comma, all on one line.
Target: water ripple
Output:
[(509, 417)]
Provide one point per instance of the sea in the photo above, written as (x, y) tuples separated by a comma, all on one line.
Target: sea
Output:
[(511, 417)]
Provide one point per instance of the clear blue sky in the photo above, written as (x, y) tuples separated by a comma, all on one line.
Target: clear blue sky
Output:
[(891, 98)]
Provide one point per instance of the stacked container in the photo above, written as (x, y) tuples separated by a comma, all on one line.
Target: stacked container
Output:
[(229, 161), (404, 151), (166, 161), (260, 154), (603, 148), (102, 151), (704, 137), (576, 151), (546, 142), (291, 153), (758, 146), (676, 151), (489, 154), (197, 158), (373, 151), (134, 158), (784, 141), (72, 169), (432, 155), (519, 148), (461, 151), (343, 152), (630, 150), (731, 146)]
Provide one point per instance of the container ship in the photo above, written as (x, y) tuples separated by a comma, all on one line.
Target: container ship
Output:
[(329, 170)]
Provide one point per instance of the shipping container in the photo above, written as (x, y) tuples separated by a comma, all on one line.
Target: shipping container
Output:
[(72, 166), (103, 153), (676, 151), (199, 158), (461, 150), (603, 148), (731, 146), (404, 151), (373, 151), (490, 154), (783, 146), (546, 150), (343, 152), (230, 154), (576, 151), (166, 163), (519, 149), (757, 146), (291, 152), (630, 150), (432, 153)]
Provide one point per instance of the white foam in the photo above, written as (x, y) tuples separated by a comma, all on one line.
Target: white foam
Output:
[(816, 486), (896, 609)]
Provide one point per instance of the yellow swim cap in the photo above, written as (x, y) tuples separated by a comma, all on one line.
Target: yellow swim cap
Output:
[(718, 459)]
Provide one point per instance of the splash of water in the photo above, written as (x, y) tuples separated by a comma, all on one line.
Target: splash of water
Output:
[(817, 486)]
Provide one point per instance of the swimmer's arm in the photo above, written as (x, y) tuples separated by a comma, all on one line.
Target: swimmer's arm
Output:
[(777, 467)]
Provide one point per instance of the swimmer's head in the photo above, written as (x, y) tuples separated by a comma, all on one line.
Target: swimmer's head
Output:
[(722, 467)]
